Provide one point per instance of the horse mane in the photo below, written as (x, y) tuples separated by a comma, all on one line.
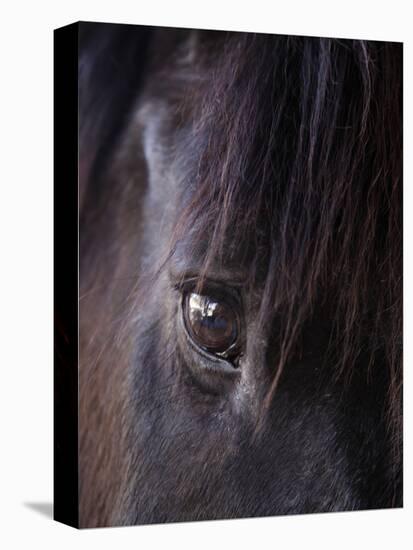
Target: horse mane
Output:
[(300, 157)]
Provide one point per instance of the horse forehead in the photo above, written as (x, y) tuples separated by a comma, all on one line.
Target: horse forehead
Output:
[(172, 155), (167, 140), (189, 257)]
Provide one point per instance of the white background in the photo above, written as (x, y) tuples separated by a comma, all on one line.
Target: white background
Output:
[(26, 307)]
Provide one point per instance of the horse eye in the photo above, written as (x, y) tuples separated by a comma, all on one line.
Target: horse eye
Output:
[(211, 324)]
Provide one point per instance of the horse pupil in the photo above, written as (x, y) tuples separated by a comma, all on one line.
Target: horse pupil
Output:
[(212, 324)]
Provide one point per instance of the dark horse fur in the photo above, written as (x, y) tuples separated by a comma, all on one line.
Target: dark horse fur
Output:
[(270, 166)]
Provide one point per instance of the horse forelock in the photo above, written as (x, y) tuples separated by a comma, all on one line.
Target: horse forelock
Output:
[(299, 176)]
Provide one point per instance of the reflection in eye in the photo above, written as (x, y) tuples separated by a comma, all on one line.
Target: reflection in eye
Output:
[(212, 324)]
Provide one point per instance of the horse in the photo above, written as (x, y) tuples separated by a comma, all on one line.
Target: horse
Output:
[(240, 302)]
